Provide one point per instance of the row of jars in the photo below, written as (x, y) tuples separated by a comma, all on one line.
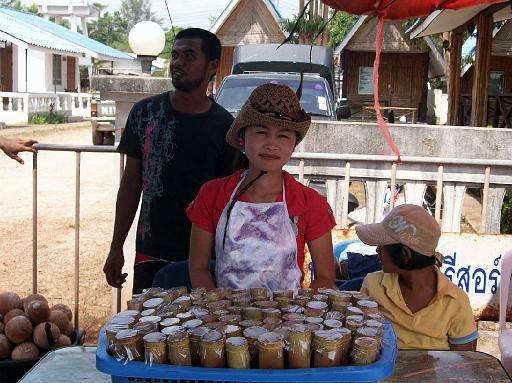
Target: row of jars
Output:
[(245, 329)]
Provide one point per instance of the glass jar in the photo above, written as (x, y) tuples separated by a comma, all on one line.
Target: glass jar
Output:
[(266, 304), (178, 348), (259, 293), (315, 308), (145, 328), (211, 350), (271, 323), (167, 322), (307, 292), (230, 330), (346, 339), (155, 348), (331, 324), (193, 323), (271, 351), (353, 322), (111, 330), (300, 300), (364, 351), (271, 313), (252, 313), (252, 334), (283, 293), (231, 319), (195, 335), (341, 306), (327, 350), (334, 315), (367, 307), (299, 346), (237, 353), (129, 345), (294, 317), (235, 310), (152, 303)]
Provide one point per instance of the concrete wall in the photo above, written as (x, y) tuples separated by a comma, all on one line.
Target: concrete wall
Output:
[(411, 140)]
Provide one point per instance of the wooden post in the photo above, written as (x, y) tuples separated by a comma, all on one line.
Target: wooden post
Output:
[(325, 34), (453, 79), (481, 73)]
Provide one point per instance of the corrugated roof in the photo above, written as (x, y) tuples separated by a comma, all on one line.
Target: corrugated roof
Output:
[(37, 31)]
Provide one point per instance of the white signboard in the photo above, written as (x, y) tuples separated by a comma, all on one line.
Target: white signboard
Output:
[(365, 85), (473, 262)]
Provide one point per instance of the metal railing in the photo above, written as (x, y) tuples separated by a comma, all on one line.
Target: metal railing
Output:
[(337, 170)]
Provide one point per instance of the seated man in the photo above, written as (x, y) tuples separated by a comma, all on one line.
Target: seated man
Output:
[(426, 309)]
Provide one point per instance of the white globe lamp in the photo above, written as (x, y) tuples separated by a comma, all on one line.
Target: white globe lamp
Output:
[(147, 40)]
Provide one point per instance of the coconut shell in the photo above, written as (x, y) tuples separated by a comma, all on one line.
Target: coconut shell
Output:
[(18, 329), (42, 339), (60, 319), (27, 350), (37, 311), (33, 297), (5, 347), (9, 301), (14, 313), (66, 309), (2, 328), (63, 341)]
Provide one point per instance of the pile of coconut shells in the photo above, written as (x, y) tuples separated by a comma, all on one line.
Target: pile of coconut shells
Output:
[(29, 327)]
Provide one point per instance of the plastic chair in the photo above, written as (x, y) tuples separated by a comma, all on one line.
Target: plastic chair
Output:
[(505, 336)]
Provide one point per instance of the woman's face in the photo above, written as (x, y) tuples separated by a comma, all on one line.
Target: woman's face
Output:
[(268, 148)]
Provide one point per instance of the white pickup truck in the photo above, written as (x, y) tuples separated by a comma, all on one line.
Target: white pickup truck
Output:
[(103, 115)]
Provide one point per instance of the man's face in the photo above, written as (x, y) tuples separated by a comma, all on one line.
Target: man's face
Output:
[(189, 68)]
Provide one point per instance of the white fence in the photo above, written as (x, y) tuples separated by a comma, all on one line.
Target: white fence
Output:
[(17, 108)]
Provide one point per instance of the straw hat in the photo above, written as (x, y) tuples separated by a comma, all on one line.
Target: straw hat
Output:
[(270, 104)]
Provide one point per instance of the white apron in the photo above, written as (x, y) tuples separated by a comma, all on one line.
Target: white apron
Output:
[(260, 248)]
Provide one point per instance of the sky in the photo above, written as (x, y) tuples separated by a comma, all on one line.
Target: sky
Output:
[(195, 13)]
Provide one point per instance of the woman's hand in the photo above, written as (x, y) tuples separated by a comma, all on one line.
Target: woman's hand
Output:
[(201, 249), (323, 259)]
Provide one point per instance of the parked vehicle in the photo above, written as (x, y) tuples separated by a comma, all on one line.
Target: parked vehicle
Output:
[(258, 64), (103, 115)]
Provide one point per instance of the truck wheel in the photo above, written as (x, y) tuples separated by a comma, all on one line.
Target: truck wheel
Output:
[(97, 137), (108, 138)]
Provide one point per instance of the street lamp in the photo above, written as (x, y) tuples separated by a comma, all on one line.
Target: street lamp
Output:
[(147, 40)]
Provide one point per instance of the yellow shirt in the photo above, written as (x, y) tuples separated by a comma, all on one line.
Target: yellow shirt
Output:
[(448, 319)]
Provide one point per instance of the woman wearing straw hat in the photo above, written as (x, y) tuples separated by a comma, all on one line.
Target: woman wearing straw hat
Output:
[(258, 220)]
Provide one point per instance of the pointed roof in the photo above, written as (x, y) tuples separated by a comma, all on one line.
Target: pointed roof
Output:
[(27, 29), (232, 6), (361, 37)]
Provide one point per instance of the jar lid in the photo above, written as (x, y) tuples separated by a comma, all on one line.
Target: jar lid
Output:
[(317, 305), (122, 320), (127, 334), (184, 299), (172, 329), (298, 328), (154, 337), (270, 338), (150, 318), (176, 336), (254, 332), (354, 311), (250, 323), (229, 329), (367, 304), (370, 332), (193, 323), (152, 303), (272, 320), (198, 311), (354, 319), (145, 327), (114, 328), (212, 336), (271, 311), (325, 290), (345, 332), (283, 293), (374, 323), (320, 297), (317, 320), (366, 343), (129, 313), (236, 341), (332, 323), (147, 312), (334, 315), (169, 322), (198, 332), (292, 309), (294, 317), (375, 316), (329, 335), (220, 313), (184, 315), (313, 327), (215, 325)]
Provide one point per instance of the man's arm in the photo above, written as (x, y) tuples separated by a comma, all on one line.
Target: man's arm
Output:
[(12, 147), (128, 198)]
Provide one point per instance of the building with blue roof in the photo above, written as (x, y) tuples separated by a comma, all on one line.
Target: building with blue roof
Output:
[(37, 55)]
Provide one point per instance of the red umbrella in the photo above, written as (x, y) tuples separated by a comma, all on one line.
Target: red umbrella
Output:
[(400, 9), (395, 10)]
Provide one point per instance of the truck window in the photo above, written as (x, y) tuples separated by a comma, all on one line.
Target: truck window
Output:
[(235, 91)]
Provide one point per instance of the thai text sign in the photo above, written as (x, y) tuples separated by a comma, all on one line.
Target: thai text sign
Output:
[(473, 262)]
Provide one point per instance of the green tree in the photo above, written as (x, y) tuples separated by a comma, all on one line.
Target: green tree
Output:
[(135, 11), (339, 26), (169, 42), (111, 30), (16, 4)]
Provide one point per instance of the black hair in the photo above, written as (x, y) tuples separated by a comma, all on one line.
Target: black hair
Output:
[(417, 260), (210, 43)]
